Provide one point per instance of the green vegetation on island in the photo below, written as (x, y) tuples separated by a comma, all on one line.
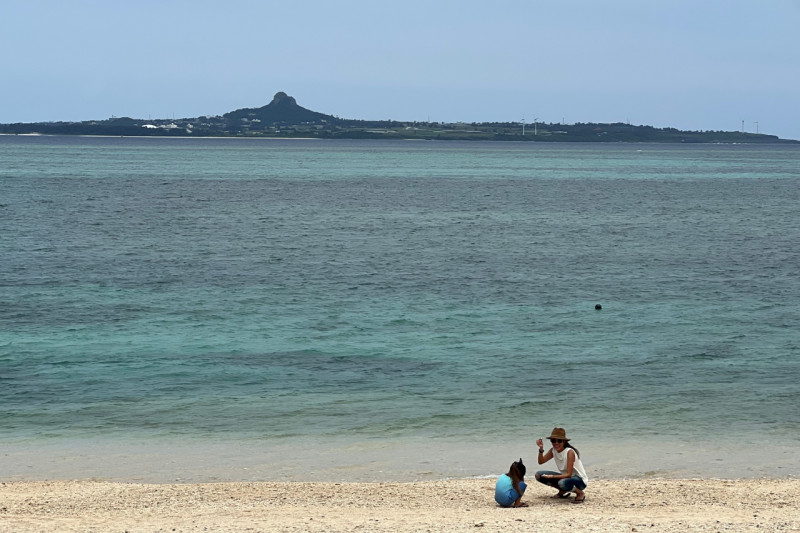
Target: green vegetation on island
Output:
[(283, 117)]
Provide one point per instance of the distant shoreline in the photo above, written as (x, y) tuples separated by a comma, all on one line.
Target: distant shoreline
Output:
[(84, 136), (781, 142)]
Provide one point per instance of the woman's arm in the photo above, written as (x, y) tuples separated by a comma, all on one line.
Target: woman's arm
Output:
[(543, 457)]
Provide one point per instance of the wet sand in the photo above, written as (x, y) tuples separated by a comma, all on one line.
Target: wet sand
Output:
[(451, 505)]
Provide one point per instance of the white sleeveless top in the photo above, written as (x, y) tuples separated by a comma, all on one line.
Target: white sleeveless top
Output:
[(577, 466)]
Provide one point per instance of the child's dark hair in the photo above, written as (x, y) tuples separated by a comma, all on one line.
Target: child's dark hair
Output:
[(517, 469)]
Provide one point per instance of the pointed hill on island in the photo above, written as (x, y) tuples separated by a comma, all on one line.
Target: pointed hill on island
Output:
[(283, 109)]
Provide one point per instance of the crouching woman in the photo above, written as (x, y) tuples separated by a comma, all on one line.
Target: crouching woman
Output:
[(571, 476)]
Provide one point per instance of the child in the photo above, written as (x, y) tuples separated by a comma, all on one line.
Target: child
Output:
[(511, 486)]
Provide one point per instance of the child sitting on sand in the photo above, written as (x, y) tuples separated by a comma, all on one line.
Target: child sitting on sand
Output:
[(511, 486)]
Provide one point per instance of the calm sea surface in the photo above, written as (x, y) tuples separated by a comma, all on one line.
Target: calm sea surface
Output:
[(268, 309)]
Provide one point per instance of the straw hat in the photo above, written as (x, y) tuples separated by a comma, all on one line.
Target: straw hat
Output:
[(559, 433)]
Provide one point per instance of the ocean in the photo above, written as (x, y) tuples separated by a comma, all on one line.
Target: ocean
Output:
[(262, 309)]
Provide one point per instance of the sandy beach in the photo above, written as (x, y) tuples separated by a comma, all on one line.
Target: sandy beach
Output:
[(450, 505)]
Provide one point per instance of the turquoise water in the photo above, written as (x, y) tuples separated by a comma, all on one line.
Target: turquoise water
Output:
[(378, 298)]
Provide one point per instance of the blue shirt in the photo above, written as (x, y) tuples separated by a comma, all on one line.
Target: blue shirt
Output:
[(504, 493)]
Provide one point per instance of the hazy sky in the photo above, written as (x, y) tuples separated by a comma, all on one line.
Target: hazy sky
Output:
[(688, 64)]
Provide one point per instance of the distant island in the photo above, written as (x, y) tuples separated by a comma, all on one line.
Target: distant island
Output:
[(283, 117)]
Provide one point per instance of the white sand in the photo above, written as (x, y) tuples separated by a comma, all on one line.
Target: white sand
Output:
[(458, 505)]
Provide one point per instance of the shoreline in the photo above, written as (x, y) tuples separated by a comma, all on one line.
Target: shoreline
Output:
[(380, 139), (209, 460), (447, 505)]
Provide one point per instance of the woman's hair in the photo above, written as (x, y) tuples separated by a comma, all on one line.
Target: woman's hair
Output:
[(568, 445)]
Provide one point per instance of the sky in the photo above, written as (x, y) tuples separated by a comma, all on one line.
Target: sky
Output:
[(686, 64)]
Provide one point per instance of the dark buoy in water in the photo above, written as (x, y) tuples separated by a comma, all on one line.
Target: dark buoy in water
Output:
[(598, 307)]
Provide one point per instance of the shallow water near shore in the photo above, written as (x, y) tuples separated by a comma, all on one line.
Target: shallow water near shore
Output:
[(386, 307), (404, 459)]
